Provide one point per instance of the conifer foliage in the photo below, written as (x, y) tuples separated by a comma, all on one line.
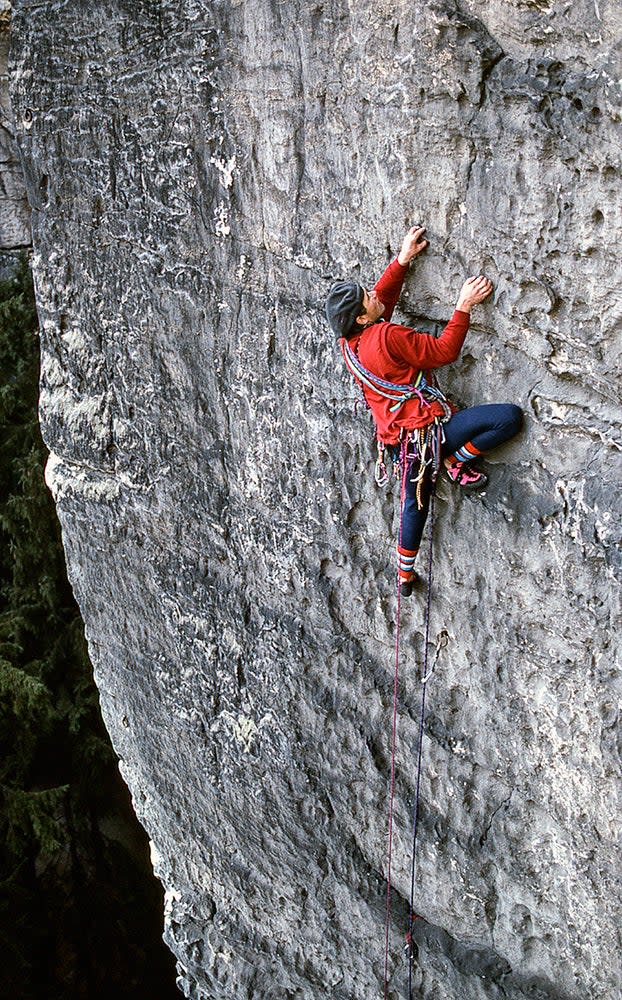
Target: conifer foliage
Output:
[(80, 912)]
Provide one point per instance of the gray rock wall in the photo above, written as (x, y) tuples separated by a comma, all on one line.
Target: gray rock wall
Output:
[(14, 210), (198, 172)]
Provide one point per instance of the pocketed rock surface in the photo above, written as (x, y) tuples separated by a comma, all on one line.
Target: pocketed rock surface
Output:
[(14, 210), (198, 172)]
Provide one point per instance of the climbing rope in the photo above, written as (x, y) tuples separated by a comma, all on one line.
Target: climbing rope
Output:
[(412, 916), (387, 924), (425, 675)]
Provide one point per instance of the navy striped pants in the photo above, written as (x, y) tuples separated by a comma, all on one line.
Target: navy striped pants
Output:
[(484, 427)]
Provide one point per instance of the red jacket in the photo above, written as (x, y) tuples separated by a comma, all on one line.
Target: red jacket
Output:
[(398, 353)]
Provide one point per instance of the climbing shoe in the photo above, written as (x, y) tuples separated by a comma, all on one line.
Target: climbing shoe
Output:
[(407, 586), (463, 474)]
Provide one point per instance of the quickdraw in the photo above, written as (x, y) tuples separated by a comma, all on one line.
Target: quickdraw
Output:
[(419, 449), (425, 452)]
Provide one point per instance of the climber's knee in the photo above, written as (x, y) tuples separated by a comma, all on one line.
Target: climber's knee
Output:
[(514, 419)]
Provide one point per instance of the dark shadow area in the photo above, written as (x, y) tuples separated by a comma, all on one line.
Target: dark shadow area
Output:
[(80, 909)]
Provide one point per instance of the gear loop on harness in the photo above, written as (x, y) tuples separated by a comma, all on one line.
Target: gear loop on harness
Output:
[(380, 471), (422, 452)]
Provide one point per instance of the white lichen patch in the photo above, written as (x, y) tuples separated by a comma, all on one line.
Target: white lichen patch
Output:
[(577, 510), (304, 261), (225, 168), (75, 340), (154, 856), (244, 268), (171, 896), (245, 732), (557, 412), (221, 220), (240, 728), (67, 478), (77, 415), (52, 372)]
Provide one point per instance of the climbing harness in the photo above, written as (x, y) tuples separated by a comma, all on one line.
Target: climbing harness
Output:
[(428, 452), (424, 388), (423, 447)]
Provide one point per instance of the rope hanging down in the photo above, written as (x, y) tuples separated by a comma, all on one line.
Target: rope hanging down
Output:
[(425, 675), (387, 923), (424, 684)]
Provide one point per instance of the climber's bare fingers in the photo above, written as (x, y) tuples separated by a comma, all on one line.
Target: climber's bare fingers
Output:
[(481, 287)]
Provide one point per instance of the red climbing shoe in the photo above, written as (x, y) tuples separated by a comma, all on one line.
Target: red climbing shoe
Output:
[(466, 477)]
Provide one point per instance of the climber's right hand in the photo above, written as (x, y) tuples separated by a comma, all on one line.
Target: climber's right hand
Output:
[(474, 291), (413, 244)]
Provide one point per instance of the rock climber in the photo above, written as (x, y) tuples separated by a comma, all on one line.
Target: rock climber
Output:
[(415, 424)]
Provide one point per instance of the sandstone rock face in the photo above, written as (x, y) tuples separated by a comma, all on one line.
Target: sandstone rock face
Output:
[(198, 172), (14, 210)]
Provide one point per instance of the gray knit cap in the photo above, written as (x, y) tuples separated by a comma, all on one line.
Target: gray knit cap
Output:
[(343, 304)]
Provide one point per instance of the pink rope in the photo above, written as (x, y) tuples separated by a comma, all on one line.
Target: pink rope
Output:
[(387, 926)]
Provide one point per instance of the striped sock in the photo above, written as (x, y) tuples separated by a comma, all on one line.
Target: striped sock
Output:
[(406, 563), (466, 453)]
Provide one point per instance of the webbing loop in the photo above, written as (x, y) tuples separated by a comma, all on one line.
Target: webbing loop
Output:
[(398, 392)]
